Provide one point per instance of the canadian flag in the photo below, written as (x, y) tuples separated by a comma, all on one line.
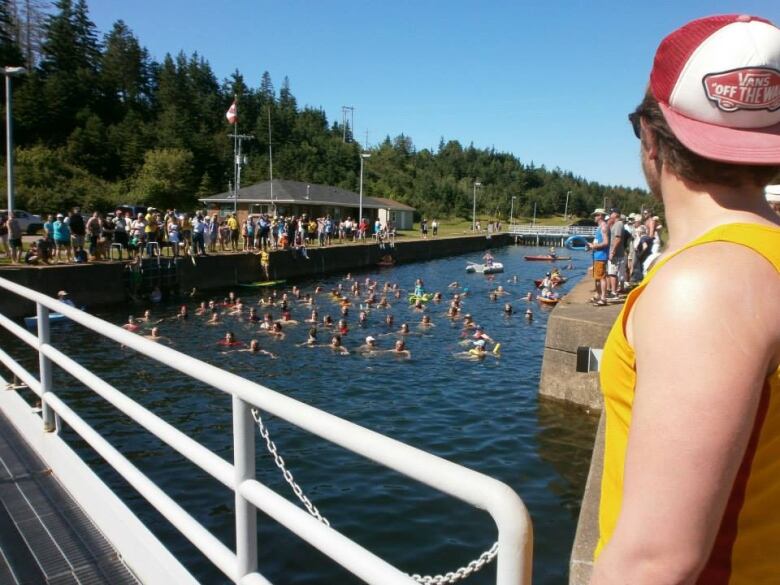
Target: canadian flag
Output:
[(232, 113)]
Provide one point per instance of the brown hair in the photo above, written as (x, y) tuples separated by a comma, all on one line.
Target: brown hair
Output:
[(692, 167)]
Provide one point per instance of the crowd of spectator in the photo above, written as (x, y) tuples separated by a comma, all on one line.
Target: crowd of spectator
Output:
[(119, 235), (624, 248)]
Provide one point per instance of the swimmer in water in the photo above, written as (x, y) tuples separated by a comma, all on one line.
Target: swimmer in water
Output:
[(528, 297), (369, 346), (508, 309), (327, 321), (335, 345), (311, 340), (344, 310), (254, 348), (147, 318), (202, 309), (400, 350), (426, 322), (389, 320), (154, 335), (478, 352), (230, 340), (455, 284), (404, 330), (343, 328), (268, 321), (286, 319), (131, 325), (214, 319), (253, 316), (397, 294), (276, 330), (437, 297), (183, 313), (529, 315), (500, 290), (363, 318), (314, 318), (383, 303)]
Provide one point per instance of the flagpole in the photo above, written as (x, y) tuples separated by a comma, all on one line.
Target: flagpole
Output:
[(235, 166)]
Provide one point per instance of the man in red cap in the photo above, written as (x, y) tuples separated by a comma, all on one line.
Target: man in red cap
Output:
[(690, 371)]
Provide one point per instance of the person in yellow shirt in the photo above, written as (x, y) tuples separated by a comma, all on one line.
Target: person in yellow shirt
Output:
[(691, 368), (232, 224)]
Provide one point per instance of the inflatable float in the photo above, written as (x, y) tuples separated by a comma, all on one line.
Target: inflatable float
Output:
[(576, 243), (485, 269)]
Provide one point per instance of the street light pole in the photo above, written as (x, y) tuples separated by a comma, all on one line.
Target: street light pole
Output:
[(566, 209), (363, 156), (511, 210), (10, 72), (474, 207)]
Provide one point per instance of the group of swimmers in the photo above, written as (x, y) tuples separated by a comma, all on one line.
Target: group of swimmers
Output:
[(275, 313)]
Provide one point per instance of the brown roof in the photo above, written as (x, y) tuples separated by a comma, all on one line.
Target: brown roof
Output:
[(305, 193)]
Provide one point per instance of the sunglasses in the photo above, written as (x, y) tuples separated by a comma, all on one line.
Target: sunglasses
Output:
[(635, 118)]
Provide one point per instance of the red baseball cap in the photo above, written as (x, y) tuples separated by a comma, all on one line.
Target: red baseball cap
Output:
[(717, 81)]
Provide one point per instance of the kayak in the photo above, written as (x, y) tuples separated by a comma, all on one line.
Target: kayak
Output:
[(547, 258), (547, 301), (32, 322), (576, 243), (485, 269), (259, 284)]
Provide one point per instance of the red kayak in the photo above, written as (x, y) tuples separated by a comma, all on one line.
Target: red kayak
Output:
[(546, 258)]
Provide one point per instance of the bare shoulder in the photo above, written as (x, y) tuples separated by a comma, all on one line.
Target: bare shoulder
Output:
[(717, 288)]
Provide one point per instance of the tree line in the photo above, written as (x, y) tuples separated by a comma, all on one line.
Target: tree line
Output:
[(98, 122)]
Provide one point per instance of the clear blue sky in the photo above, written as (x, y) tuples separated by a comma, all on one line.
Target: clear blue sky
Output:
[(550, 82)]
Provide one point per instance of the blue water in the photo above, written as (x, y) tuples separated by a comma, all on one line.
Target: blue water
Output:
[(485, 415)]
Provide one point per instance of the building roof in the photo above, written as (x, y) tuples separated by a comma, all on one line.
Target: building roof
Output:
[(305, 194)]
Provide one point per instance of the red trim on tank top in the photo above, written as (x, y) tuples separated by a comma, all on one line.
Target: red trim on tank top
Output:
[(717, 571)]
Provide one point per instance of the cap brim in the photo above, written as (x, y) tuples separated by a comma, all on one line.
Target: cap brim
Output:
[(757, 146)]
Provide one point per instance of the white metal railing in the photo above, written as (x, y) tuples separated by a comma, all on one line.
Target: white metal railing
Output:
[(515, 532), (529, 229)]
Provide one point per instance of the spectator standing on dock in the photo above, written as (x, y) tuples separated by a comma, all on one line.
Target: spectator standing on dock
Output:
[(435, 227), (78, 229), (61, 233), (94, 226), (15, 238), (691, 369), (4, 235), (616, 264), (600, 248)]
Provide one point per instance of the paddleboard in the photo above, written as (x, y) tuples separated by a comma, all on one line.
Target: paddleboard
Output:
[(261, 284)]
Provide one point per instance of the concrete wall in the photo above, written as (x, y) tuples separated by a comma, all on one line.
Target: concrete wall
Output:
[(575, 322), (89, 284), (98, 284)]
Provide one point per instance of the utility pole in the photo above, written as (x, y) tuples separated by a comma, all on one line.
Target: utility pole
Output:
[(566, 209), (474, 207), (344, 115), (238, 160)]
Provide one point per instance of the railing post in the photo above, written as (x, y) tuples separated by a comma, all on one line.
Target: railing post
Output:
[(244, 466), (44, 367)]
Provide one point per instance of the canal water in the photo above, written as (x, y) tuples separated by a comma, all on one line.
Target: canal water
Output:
[(485, 415)]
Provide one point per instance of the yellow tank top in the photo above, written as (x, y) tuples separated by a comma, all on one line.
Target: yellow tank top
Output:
[(747, 547)]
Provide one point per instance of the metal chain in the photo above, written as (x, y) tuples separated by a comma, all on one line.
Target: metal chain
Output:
[(453, 577)]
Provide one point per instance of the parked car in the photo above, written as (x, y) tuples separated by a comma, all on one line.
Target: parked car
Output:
[(134, 210), (29, 222)]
